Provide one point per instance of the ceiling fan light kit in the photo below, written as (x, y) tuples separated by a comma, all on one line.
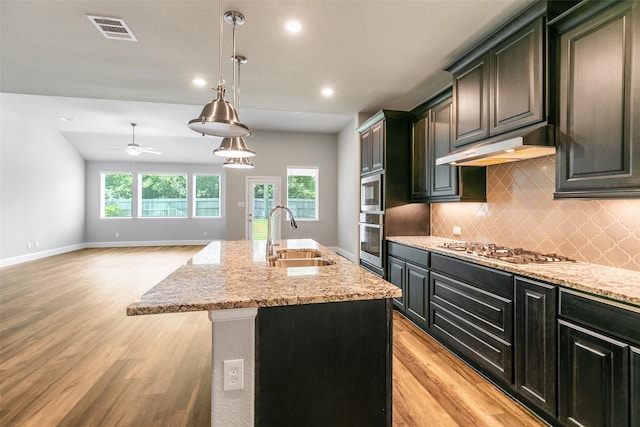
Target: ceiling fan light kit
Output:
[(134, 149)]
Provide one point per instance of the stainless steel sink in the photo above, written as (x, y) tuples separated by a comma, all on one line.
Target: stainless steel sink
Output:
[(299, 262), (297, 253)]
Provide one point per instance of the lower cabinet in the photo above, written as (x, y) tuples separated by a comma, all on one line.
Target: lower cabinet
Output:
[(535, 343), (593, 380), (407, 268), (570, 357), (635, 386), (471, 312), (598, 378)]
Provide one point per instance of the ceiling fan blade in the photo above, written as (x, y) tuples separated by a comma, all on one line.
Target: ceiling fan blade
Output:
[(148, 151)]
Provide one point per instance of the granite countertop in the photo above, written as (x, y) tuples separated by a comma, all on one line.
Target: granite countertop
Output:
[(613, 283), (234, 274)]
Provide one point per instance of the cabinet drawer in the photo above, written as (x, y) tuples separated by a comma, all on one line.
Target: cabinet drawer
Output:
[(489, 312), (488, 352), (490, 280), (414, 255), (606, 316)]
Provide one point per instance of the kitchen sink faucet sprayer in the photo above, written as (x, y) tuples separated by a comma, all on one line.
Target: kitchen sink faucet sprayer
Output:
[(270, 244)]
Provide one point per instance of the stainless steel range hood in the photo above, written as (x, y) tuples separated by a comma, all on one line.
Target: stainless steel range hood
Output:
[(527, 143)]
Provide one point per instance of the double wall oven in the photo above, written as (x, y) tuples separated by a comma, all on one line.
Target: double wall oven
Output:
[(372, 224)]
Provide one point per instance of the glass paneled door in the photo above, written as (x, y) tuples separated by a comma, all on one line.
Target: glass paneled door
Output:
[(263, 193)]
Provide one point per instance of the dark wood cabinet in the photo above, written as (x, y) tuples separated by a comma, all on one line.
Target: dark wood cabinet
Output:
[(417, 288), (372, 149), (503, 88), (443, 178), (433, 183), (324, 364), (471, 102), (516, 89), (408, 269), (419, 160), (599, 98), (593, 378), (535, 343), (396, 274), (635, 386), (471, 312)]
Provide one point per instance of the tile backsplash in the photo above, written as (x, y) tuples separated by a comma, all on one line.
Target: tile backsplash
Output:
[(520, 212)]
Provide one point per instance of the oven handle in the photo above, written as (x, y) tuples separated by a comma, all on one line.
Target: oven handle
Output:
[(366, 224)]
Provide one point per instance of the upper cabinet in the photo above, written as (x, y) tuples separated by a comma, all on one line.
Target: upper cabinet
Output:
[(433, 138), (372, 149), (500, 87), (599, 98)]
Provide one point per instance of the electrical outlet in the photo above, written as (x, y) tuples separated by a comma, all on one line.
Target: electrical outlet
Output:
[(233, 375), (117, 234), (37, 243), (457, 230), (204, 234), (28, 245)]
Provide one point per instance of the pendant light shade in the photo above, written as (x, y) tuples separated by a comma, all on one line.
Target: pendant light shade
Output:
[(238, 163), (233, 147), (219, 117)]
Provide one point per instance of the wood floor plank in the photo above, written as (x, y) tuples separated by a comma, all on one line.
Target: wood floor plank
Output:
[(69, 356)]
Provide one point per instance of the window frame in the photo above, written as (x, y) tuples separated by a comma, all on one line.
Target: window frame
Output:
[(194, 198), (316, 175), (102, 212)]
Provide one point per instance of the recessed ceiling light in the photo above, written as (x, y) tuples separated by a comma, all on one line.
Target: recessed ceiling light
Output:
[(293, 26), (199, 82), (327, 91), (68, 119)]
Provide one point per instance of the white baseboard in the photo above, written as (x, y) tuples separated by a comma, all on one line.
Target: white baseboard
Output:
[(43, 254), (348, 255), (147, 243), (38, 255)]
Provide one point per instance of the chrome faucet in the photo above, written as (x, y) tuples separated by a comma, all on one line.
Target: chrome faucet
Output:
[(270, 243)]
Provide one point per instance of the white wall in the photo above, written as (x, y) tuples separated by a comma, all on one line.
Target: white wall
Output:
[(42, 190), (349, 190), (102, 231), (274, 152)]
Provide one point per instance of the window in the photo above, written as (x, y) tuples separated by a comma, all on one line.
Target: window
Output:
[(207, 196), (302, 192), (116, 195), (163, 195)]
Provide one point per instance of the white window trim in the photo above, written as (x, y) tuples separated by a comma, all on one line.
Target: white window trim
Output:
[(317, 175), (101, 214), (139, 196), (194, 199)]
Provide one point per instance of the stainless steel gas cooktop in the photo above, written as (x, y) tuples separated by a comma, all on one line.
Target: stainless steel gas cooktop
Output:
[(514, 256)]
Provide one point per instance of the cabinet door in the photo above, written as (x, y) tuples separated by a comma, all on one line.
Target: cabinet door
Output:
[(471, 102), (635, 387), (516, 96), (377, 146), (599, 143), (419, 185), (535, 343), (443, 178), (365, 152), (417, 285), (396, 275), (593, 378)]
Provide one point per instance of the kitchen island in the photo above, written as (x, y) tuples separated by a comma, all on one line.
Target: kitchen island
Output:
[(315, 342)]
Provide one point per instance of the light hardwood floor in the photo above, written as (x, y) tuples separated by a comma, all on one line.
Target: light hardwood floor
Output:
[(69, 355)]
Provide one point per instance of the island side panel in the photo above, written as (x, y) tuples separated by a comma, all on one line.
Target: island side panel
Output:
[(324, 364)]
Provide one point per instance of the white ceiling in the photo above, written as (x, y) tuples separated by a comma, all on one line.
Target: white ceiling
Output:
[(374, 53)]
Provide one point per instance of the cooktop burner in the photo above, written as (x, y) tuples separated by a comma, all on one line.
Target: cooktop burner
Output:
[(514, 256)]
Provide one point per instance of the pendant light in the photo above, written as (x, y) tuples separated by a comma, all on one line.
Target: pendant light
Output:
[(235, 146), (219, 118)]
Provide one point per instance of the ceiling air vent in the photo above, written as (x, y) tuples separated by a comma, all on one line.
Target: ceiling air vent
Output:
[(112, 28)]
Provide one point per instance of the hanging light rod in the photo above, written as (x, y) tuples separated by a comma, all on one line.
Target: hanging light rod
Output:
[(219, 117)]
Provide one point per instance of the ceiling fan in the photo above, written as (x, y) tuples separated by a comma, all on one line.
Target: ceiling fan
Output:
[(134, 149)]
